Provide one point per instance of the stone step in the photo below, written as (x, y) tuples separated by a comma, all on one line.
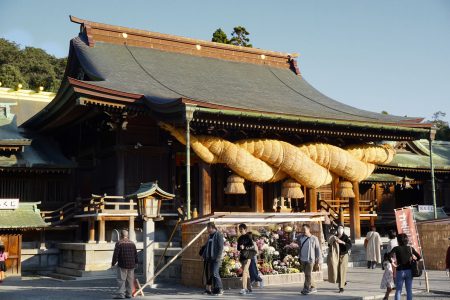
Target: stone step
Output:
[(81, 273), (162, 245), (70, 265), (172, 251), (60, 276)]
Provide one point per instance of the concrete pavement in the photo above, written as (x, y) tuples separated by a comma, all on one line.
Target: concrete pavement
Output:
[(362, 284)]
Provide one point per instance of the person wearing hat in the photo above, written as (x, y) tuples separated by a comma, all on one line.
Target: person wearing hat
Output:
[(339, 247)]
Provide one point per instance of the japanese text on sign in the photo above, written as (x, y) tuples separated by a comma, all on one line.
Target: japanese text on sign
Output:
[(9, 203)]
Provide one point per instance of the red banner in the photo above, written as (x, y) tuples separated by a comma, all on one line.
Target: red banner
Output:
[(405, 224)]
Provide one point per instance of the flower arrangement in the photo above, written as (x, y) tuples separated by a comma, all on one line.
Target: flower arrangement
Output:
[(278, 252)]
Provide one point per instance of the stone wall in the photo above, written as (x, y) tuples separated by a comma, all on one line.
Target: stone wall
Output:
[(35, 260)]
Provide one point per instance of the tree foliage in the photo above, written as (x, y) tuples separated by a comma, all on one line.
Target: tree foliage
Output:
[(219, 36), (443, 130), (239, 37), (31, 67)]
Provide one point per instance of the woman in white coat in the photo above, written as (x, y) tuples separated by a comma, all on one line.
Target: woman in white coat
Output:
[(373, 248)]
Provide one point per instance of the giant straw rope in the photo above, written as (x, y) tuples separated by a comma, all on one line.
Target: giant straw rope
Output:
[(269, 160)]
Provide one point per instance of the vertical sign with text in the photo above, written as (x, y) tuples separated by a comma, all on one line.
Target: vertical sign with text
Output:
[(405, 224)]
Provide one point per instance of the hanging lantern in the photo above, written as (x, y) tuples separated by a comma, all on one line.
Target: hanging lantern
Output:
[(235, 185), (406, 183), (291, 189), (345, 190)]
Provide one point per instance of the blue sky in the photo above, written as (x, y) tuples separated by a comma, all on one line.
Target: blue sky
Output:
[(377, 55)]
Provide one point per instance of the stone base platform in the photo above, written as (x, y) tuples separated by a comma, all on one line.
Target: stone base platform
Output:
[(280, 279)]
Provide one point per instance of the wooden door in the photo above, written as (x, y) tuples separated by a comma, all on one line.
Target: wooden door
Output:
[(13, 244)]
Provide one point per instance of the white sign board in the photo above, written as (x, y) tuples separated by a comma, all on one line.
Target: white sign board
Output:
[(425, 208), (9, 203)]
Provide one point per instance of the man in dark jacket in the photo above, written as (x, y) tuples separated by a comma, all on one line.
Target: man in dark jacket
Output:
[(213, 254), (125, 256)]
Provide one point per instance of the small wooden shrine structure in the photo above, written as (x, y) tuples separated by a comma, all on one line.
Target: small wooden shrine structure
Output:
[(14, 221)]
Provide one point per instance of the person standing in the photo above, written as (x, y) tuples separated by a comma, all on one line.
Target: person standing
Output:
[(392, 243), (447, 262), (373, 246), (3, 258), (253, 270), (125, 256), (387, 282), (404, 254), (326, 223), (343, 243), (207, 276), (247, 251), (310, 254), (212, 255)]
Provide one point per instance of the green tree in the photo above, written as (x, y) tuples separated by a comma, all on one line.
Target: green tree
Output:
[(384, 112), (239, 37), (443, 130), (10, 76), (219, 36), (32, 67)]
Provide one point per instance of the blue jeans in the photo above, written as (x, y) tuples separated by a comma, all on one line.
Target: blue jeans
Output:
[(254, 276), (406, 276), (216, 281)]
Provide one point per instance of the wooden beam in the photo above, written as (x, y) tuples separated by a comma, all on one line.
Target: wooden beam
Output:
[(311, 200), (355, 220), (205, 188), (257, 198)]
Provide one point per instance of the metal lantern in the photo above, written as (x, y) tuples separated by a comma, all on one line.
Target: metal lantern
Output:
[(149, 197)]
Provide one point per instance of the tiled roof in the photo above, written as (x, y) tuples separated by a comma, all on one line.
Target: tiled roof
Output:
[(166, 77), (26, 216)]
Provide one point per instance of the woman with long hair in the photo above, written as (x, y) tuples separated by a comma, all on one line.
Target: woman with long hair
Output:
[(404, 255)]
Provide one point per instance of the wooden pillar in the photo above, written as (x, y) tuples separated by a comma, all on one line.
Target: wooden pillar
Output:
[(341, 216), (355, 221), (101, 231), (120, 163), (220, 184), (205, 188), (257, 197), (120, 179), (379, 195), (311, 200), (132, 233), (91, 226)]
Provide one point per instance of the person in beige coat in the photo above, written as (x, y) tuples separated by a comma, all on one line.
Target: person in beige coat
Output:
[(337, 261), (373, 246)]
